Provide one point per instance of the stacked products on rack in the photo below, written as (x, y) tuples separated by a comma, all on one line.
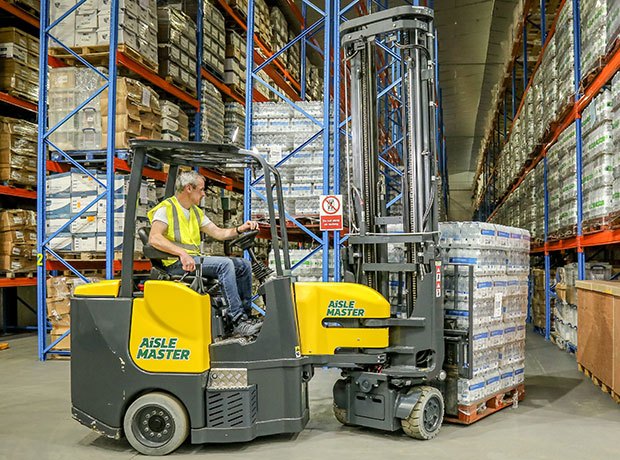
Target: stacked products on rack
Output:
[(262, 21), (18, 239), (599, 159), (176, 34), (613, 24), (277, 130), (538, 308), (70, 193), (279, 36), (174, 122), (615, 134), (234, 65), (593, 33), (306, 268), (213, 39), (234, 124), (18, 152), (138, 113), (562, 184), (212, 120), (294, 57), (59, 291), (498, 256), (19, 61), (314, 82), (90, 27)]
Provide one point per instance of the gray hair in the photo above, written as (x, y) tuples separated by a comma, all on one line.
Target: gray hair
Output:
[(186, 178)]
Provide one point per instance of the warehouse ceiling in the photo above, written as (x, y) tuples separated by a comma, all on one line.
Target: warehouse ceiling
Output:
[(474, 44)]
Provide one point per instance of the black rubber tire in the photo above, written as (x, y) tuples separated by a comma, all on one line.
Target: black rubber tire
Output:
[(156, 424), (341, 415), (426, 418)]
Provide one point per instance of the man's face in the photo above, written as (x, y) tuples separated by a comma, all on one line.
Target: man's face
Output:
[(196, 192)]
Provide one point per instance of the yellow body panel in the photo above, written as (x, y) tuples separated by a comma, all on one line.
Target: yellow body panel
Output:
[(106, 288), (170, 329), (319, 301)]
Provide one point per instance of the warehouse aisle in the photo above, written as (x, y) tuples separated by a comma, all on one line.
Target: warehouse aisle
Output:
[(563, 417)]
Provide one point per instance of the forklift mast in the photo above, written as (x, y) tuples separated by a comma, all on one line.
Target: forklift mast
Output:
[(408, 34)]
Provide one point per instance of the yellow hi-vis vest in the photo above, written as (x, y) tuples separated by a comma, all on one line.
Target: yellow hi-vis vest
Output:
[(181, 231)]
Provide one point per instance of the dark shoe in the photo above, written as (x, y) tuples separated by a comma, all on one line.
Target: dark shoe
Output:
[(247, 328)]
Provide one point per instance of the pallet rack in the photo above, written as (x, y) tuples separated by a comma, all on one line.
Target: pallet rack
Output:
[(583, 95), (24, 109)]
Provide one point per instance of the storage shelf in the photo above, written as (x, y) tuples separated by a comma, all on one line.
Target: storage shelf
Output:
[(18, 192), (17, 102), (600, 238), (19, 13), (227, 90), (607, 72), (18, 282), (156, 80), (280, 75)]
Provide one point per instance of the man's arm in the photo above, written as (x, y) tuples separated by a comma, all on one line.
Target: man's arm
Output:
[(159, 241), (222, 234)]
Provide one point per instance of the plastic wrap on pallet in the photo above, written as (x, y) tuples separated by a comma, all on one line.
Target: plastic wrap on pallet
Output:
[(212, 123), (499, 256), (613, 22), (593, 33)]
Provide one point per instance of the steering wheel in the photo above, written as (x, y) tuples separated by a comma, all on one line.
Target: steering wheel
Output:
[(245, 240)]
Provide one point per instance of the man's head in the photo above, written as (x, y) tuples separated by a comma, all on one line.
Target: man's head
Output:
[(190, 185)]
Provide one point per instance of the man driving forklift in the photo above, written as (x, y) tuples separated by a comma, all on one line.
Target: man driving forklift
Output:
[(176, 224)]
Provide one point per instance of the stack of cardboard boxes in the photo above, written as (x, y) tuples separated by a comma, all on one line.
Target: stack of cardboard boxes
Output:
[(279, 37), (90, 26), (177, 48), (234, 66), (18, 239), (174, 122), (19, 61), (294, 57), (138, 113), (213, 38), (538, 299), (59, 291), (234, 124), (70, 193), (212, 120), (263, 26), (18, 152)]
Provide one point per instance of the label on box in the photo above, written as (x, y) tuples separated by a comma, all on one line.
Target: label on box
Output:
[(146, 97), (497, 306)]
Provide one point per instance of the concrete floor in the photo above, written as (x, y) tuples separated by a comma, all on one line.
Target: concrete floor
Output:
[(564, 416)]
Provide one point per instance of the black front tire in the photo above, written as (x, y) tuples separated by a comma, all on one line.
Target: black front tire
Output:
[(156, 424), (426, 418)]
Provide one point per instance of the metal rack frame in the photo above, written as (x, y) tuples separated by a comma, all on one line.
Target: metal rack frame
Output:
[(582, 98)]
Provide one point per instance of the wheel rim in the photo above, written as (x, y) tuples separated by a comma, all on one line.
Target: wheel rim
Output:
[(432, 414), (153, 426)]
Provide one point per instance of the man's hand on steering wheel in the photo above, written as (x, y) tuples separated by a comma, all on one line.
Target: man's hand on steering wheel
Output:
[(247, 227)]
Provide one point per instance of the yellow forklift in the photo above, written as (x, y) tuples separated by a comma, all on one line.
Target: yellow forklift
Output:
[(152, 359)]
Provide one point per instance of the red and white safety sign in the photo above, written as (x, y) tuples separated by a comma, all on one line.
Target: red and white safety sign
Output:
[(438, 278), (330, 212)]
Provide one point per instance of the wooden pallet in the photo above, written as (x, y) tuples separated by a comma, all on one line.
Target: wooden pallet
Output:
[(18, 274), (596, 225), (100, 55), (468, 414), (182, 86), (596, 381), (26, 7)]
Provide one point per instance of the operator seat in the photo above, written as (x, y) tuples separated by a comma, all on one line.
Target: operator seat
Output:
[(221, 325)]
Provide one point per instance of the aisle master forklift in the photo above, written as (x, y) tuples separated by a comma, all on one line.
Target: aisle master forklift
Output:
[(152, 358)]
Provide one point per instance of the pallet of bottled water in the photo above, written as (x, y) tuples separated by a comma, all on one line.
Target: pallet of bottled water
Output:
[(486, 270)]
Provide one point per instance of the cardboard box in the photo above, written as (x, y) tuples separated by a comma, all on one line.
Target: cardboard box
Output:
[(598, 309), (15, 219), (84, 243), (18, 176), (18, 249), (81, 183), (102, 242), (19, 237), (58, 308), (63, 242), (81, 201), (17, 264), (57, 286), (84, 225), (567, 293), (58, 207)]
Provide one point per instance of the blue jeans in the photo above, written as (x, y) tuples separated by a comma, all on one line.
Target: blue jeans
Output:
[(235, 277)]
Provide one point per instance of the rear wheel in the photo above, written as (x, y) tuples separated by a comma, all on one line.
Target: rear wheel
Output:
[(426, 417), (156, 424), (340, 414)]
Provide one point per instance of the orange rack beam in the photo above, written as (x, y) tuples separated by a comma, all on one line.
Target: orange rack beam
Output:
[(19, 13), (4, 97), (17, 192), (17, 282)]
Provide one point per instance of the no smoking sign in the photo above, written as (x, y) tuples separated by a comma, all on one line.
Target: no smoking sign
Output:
[(330, 212)]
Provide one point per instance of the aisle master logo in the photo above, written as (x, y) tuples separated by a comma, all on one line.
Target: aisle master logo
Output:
[(161, 348), (343, 308)]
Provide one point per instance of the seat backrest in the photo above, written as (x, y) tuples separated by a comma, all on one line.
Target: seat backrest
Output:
[(143, 234)]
